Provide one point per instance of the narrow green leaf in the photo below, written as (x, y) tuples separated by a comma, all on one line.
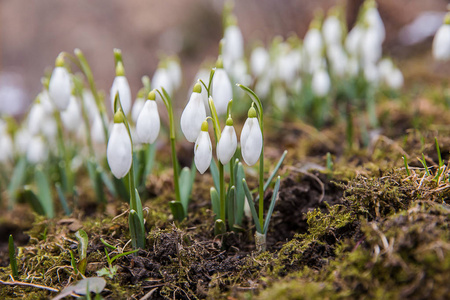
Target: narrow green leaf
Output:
[(28, 196), (136, 230), (186, 183), (121, 188), (17, 180), (239, 194), (12, 257), (215, 175), (83, 242), (405, 161), (252, 206), (150, 152), (272, 205), (215, 202), (44, 193), (107, 182), (177, 210), (274, 172), (62, 199), (107, 244), (96, 180), (123, 254), (441, 163), (252, 96), (424, 164), (231, 206), (219, 227)]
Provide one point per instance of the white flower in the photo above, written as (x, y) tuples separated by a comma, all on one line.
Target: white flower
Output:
[(222, 91), (313, 43), (49, 129), (332, 31), (233, 47), (203, 149), (161, 78), (259, 61), (441, 43), (354, 40), (22, 140), (148, 123), (371, 73), (120, 85), (60, 87), (251, 139), (71, 117), (97, 131), (6, 146), (371, 47), (136, 109), (374, 21), (119, 150), (36, 117), (47, 104), (37, 151), (227, 144), (395, 79), (175, 74), (321, 83), (89, 104), (193, 115), (338, 59)]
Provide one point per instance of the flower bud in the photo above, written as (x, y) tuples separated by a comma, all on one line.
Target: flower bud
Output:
[(227, 144), (441, 41), (222, 91), (148, 123), (120, 85), (119, 149), (203, 149), (193, 115), (251, 139), (60, 86)]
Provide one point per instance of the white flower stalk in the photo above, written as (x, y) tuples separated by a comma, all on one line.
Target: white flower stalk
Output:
[(6, 146), (321, 83), (36, 118), (332, 31), (37, 151), (193, 115), (71, 117), (203, 149), (222, 91), (97, 131), (60, 85), (148, 123), (137, 107), (259, 61), (120, 85), (226, 147), (251, 139), (441, 41), (119, 149)]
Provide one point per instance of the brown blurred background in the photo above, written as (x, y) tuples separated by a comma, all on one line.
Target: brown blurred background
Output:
[(32, 33)]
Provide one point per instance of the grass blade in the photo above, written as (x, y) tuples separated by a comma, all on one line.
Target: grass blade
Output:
[(277, 167), (62, 199), (272, 205), (12, 257), (252, 206), (44, 193)]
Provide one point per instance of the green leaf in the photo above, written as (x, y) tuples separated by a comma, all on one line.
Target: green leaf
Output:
[(107, 182), (252, 206), (441, 163), (252, 96), (277, 167), (215, 202), (186, 182), (272, 205), (110, 272), (231, 206), (136, 230), (123, 254), (107, 244), (215, 175), (96, 180), (83, 242), (219, 227), (12, 257), (62, 199), (28, 196), (17, 180), (239, 194), (150, 152), (121, 188), (177, 210), (44, 193)]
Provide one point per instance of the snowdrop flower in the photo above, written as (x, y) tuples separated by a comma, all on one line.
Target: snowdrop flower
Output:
[(222, 91), (332, 30), (49, 129), (233, 47), (120, 85), (394, 80), (37, 151), (228, 143), (313, 43), (259, 61), (193, 115), (203, 149), (321, 83), (203, 74), (36, 117), (371, 73), (338, 59), (60, 85), (441, 41), (174, 70), (97, 131), (47, 104), (354, 40), (6, 144), (71, 117), (373, 19), (119, 150), (251, 138), (137, 106), (22, 140), (371, 47), (160, 79), (148, 123), (89, 104)]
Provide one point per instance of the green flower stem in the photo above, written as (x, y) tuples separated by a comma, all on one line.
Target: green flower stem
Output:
[(222, 192), (64, 154), (168, 103), (84, 66)]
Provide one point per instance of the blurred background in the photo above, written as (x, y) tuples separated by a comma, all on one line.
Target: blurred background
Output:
[(32, 33)]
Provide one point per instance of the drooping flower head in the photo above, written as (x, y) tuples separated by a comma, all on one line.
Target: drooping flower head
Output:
[(120, 85), (203, 149), (226, 147), (119, 149), (193, 115), (251, 138), (148, 122), (441, 41), (222, 91), (60, 85)]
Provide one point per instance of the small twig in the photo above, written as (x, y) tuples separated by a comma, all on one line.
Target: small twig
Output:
[(149, 294), (15, 282), (116, 217)]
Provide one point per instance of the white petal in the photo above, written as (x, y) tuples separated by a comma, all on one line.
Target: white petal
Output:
[(148, 123), (222, 91), (60, 88), (71, 117), (161, 78), (47, 104), (136, 109), (97, 131), (203, 152), (22, 140), (118, 152), (90, 105), (332, 30), (192, 117), (313, 42), (321, 83), (227, 145), (259, 61), (37, 151), (120, 84), (441, 43), (233, 48), (6, 146), (35, 118), (251, 141)]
